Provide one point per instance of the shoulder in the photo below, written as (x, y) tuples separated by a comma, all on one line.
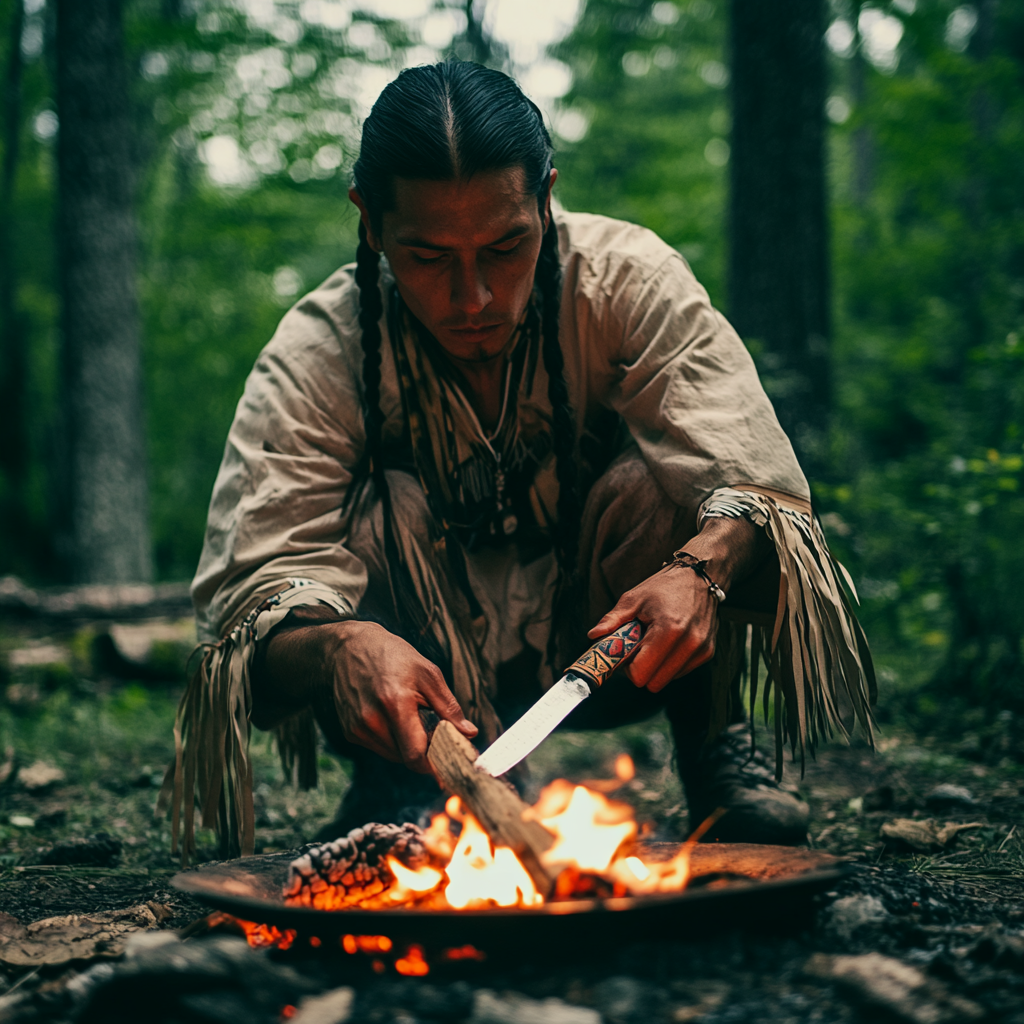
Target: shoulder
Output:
[(316, 348), (603, 245), (615, 270)]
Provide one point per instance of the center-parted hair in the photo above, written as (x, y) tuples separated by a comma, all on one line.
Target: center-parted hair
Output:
[(440, 123)]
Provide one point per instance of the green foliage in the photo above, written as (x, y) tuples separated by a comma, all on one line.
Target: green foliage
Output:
[(247, 128), (649, 79)]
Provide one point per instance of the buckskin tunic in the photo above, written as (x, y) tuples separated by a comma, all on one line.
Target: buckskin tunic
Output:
[(649, 364)]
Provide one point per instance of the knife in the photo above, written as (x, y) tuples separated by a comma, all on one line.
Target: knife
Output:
[(583, 677)]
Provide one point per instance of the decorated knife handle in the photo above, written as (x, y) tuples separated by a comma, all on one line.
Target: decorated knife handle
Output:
[(608, 653)]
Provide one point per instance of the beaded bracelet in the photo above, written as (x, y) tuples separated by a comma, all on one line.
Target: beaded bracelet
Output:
[(699, 567)]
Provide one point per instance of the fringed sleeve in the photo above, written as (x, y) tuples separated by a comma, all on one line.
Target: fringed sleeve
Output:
[(815, 652), (211, 766)]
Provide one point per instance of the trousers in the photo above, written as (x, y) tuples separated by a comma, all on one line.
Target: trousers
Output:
[(629, 528)]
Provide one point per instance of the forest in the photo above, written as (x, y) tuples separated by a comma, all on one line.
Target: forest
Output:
[(846, 179)]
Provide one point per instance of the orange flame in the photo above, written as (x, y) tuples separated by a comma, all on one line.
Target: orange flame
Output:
[(480, 874)]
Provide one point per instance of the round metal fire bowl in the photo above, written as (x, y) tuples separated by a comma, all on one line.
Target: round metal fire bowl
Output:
[(731, 884)]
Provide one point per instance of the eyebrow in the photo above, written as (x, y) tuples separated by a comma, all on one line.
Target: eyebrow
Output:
[(419, 243)]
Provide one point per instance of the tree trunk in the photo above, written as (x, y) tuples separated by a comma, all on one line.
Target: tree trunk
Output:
[(14, 451), (107, 499), (779, 279)]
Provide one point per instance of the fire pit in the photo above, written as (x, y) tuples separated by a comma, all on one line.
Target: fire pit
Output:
[(493, 872), (730, 883)]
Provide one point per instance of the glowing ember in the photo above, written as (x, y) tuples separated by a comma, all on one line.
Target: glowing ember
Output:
[(412, 964), (260, 936), (480, 875)]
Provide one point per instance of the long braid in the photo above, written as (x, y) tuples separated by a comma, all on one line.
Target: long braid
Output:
[(549, 281), (371, 309)]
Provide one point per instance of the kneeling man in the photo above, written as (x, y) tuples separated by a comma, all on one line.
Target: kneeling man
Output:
[(502, 433)]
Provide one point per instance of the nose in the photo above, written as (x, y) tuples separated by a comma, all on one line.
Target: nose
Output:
[(470, 292)]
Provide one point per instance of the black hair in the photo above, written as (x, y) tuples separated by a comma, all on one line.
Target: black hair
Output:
[(442, 122)]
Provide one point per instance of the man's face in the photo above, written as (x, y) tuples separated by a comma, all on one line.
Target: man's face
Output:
[(463, 254)]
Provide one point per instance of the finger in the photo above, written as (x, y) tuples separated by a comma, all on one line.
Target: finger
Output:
[(439, 698), (411, 739), (649, 655), (693, 651), (624, 611)]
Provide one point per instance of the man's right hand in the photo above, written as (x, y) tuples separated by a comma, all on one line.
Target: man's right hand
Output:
[(371, 680)]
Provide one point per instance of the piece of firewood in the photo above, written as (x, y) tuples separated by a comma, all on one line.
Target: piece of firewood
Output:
[(492, 802)]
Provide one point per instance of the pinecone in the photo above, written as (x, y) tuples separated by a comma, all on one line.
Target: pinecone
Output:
[(354, 868)]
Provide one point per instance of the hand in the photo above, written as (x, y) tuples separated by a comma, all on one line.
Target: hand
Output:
[(680, 618), (373, 681), (679, 614)]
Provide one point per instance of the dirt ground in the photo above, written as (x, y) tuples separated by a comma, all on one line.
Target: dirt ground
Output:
[(82, 755)]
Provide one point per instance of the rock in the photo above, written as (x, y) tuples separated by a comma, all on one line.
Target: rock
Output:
[(59, 940), (881, 799), (888, 984), (851, 913), (923, 834), (513, 1008), (997, 947), (949, 796), (216, 979), (333, 1007), (39, 776), (626, 1000), (98, 851)]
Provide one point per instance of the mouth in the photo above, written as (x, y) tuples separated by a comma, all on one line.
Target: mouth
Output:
[(472, 333)]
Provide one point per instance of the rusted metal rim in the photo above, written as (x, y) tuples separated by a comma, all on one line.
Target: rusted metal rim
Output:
[(731, 883)]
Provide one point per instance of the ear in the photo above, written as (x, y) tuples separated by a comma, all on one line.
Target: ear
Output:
[(547, 201), (364, 216)]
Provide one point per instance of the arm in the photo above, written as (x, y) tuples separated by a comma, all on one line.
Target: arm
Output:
[(365, 685), (679, 613)]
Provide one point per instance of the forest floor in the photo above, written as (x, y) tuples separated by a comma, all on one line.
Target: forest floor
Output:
[(925, 936)]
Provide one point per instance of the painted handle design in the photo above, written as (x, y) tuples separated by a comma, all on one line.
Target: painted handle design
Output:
[(601, 660)]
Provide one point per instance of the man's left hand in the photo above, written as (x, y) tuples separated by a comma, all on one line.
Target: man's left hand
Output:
[(679, 613)]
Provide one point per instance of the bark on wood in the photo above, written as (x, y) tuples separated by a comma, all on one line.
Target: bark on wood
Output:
[(779, 280), (493, 803), (106, 498)]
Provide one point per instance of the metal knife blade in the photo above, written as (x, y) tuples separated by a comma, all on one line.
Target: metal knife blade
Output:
[(535, 726), (585, 675)]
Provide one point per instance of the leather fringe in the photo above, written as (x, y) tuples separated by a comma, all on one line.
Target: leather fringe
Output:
[(817, 660), (212, 769)]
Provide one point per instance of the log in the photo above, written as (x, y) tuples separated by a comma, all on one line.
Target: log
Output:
[(492, 802)]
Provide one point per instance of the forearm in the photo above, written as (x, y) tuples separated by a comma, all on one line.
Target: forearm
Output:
[(294, 668), (735, 549)]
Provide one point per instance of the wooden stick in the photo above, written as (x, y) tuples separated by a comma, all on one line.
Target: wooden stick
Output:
[(492, 802)]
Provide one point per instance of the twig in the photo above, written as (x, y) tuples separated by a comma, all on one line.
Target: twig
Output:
[(21, 981), (999, 848)]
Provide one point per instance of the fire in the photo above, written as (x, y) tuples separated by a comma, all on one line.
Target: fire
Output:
[(480, 874), (589, 828), (593, 855)]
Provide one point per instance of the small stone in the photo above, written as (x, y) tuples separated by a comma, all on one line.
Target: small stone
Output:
[(334, 1007), (851, 913), (39, 776), (513, 1008), (947, 795), (894, 986)]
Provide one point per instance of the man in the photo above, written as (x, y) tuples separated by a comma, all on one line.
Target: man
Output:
[(456, 466)]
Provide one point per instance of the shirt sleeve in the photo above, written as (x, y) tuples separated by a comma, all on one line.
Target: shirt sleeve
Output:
[(276, 510), (653, 348)]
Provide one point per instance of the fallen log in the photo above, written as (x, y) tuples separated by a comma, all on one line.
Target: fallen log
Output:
[(492, 802), (95, 601)]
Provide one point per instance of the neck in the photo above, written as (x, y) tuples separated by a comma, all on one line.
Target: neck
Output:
[(483, 384)]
